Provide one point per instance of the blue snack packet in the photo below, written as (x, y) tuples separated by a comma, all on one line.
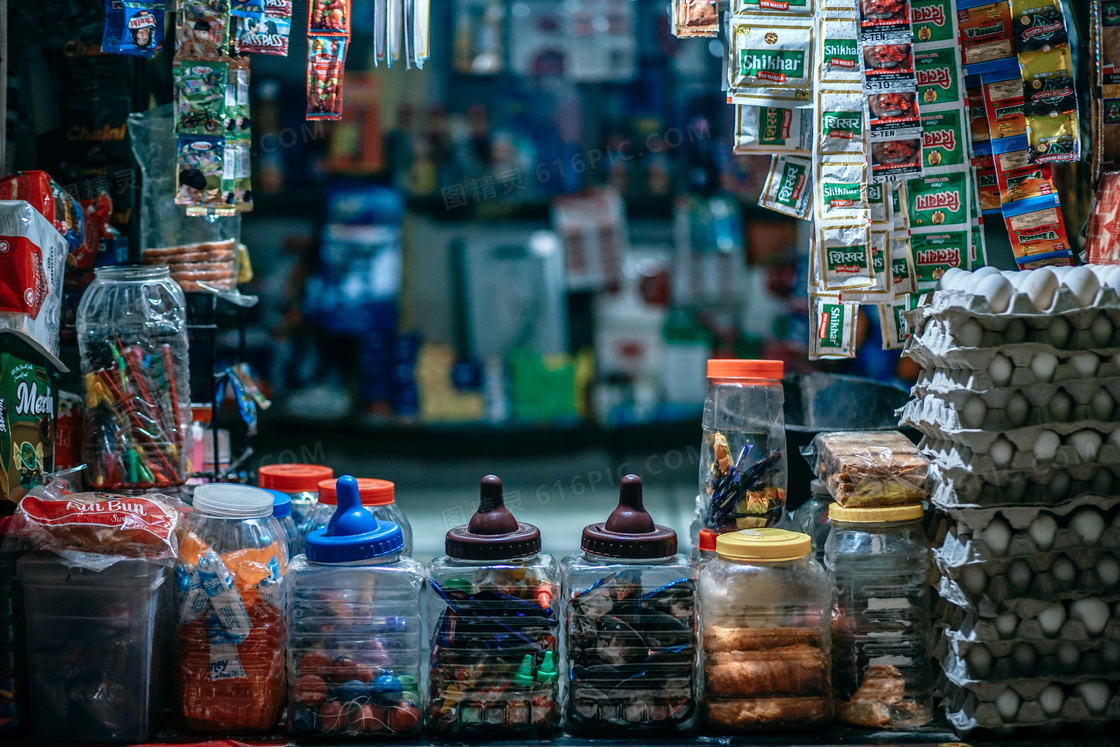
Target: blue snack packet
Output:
[(133, 27)]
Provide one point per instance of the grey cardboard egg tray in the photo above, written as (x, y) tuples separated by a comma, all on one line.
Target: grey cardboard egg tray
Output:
[(967, 709), (955, 672), (961, 487), (1095, 658), (952, 455), (959, 547), (945, 403), (937, 419), (1064, 303), (943, 353), (980, 625)]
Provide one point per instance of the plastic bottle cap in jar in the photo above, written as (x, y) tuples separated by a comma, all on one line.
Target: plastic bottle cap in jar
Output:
[(743, 369), (764, 544), (371, 491), (353, 533), (281, 504), (836, 512), (707, 540), (293, 478), (225, 501), (629, 532)]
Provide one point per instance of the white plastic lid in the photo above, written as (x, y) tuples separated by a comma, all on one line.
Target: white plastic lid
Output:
[(225, 501)]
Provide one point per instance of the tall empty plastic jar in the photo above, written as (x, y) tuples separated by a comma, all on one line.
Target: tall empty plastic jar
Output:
[(377, 496), (743, 455), (879, 560), (230, 632), (630, 623), (300, 481), (355, 635), (493, 610), (282, 512)]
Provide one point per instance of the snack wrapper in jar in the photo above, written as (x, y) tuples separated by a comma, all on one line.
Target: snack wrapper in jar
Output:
[(787, 188), (832, 327), (845, 257), (217, 583), (326, 59)]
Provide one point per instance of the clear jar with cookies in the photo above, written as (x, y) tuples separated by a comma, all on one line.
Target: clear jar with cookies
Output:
[(765, 606)]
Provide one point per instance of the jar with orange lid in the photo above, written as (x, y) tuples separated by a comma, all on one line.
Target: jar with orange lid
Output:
[(743, 456), (377, 496), (300, 481), (765, 604)]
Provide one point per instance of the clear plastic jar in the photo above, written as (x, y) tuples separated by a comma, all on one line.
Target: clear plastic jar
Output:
[(630, 623), (743, 456), (300, 481), (132, 335), (879, 561), (493, 609), (355, 634), (811, 517), (378, 497), (230, 633), (282, 512), (765, 605)]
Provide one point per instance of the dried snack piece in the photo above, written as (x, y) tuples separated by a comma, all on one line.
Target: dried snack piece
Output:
[(866, 469), (771, 712)]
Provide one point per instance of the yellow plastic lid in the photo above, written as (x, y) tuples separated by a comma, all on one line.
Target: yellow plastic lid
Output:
[(836, 512), (763, 544)]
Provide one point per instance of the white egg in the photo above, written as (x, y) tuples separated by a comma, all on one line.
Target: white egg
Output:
[(1044, 528), (1002, 452), (1046, 445), (1068, 656), (1100, 331), (1083, 284), (1025, 658), (1092, 612), (1019, 577), (1061, 405), (997, 536), (1061, 270), (1044, 365), (984, 272), (1051, 700), (1058, 332), (1040, 287), (1102, 406), (1063, 570), (1007, 703), (1095, 694), (1051, 619), (1089, 525), (1007, 624), (1058, 485), (1085, 364), (1087, 444), (1000, 369), (1100, 270), (979, 662), (1108, 571), (997, 291), (950, 277), (974, 412), (1018, 408), (974, 580), (1112, 280), (1102, 482), (970, 334), (1015, 332)]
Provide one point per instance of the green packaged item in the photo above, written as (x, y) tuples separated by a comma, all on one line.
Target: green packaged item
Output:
[(28, 396), (943, 140), (200, 97), (935, 252), (938, 200)]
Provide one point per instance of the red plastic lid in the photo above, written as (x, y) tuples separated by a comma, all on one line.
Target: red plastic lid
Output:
[(371, 492), (723, 368), (293, 478), (707, 540)]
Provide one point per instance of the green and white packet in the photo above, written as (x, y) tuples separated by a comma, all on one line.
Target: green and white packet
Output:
[(832, 327), (845, 257), (769, 130), (788, 186)]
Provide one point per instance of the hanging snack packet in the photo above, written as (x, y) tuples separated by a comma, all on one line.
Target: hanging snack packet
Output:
[(837, 52), (845, 257), (880, 288), (203, 29), (937, 76), (1038, 25), (1036, 231), (393, 31), (261, 33), (894, 160), (832, 327), (200, 96), (978, 246), (421, 40), (1108, 42), (943, 141), (840, 190), (893, 116), (902, 266), (200, 164), (766, 7), (985, 35), (840, 124), (877, 209), (133, 28), (787, 186), (896, 202), (932, 21), (769, 53), (938, 200), (1019, 179), (236, 111), (884, 21), (1003, 103), (987, 184), (888, 68), (1107, 128), (328, 17), (892, 323), (326, 57), (935, 252), (693, 18), (765, 130), (1054, 139), (978, 119), (1048, 87)]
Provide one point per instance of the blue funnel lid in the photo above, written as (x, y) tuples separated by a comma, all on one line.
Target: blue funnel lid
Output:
[(281, 504), (353, 533)]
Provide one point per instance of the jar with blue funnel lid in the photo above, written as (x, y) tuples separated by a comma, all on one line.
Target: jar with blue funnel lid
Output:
[(354, 628)]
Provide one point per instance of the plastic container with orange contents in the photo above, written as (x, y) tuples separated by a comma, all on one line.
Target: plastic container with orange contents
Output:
[(230, 633), (377, 496), (300, 481)]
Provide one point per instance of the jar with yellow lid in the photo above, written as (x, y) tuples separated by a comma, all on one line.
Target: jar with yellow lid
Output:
[(878, 560), (765, 606)]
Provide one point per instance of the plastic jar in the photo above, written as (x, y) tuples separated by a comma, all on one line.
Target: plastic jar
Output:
[(811, 517), (879, 561), (743, 456), (354, 628), (765, 604), (282, 512), (378, 497), (630, 623), (493, 608), (132, 335), (300, 481), (230, 634)]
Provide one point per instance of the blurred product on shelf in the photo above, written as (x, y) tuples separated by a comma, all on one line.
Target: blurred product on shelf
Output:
[(28, 422)]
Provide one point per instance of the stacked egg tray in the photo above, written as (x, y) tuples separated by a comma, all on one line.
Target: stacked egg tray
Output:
[(1018, 402)]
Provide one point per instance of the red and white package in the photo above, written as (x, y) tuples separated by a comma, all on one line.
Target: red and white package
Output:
[(1102, 235), (32, 261)]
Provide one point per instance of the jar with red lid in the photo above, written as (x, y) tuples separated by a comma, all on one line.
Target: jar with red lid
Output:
[(493, 611), (743, 455), (377, 496), (300, 481)]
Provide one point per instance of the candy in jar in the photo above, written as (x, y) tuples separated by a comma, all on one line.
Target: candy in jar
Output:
[(354, 628), (765, 605), (630, 617), (493, 608), (230, 634)]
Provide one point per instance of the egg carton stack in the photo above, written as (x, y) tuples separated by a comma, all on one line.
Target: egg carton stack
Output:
[(1018, 405)]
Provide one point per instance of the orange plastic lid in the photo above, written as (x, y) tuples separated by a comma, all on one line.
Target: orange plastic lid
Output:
[(723, 368), (707, 540), (371, 491), (293, 478)]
